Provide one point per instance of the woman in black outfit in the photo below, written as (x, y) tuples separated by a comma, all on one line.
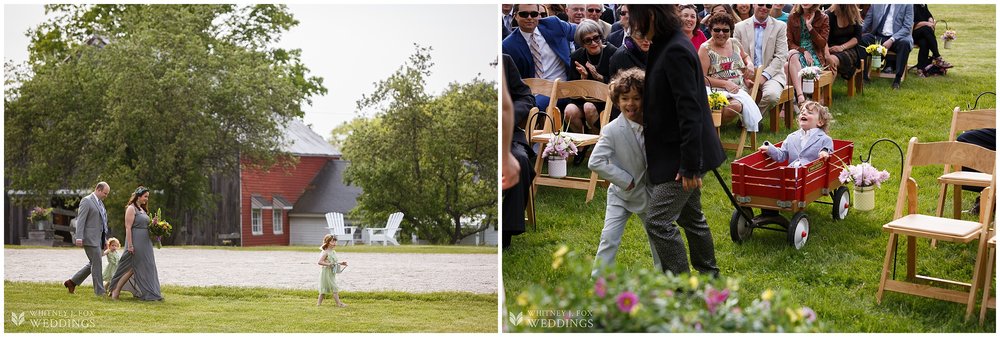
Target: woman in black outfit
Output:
[(843, 51), (923, 36)]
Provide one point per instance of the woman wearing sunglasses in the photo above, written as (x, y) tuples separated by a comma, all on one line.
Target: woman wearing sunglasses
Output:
[(725, 64), (591, 61)]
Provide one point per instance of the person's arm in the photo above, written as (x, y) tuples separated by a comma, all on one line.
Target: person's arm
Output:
[(81, 220), (689, 99), (821, 31), (906, 28), (322, 260), (511, 168), (600, 161), (777, 64), (129, 219), (790, 36)]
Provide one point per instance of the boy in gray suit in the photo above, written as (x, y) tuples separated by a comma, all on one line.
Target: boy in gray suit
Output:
[(809, 142), (620, 158), (92, 235)]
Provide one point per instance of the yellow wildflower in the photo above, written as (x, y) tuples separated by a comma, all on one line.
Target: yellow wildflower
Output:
[(694, 282), (767, 295)]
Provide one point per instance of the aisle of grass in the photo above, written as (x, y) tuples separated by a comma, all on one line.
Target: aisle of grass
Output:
[(837, 272), (228, 309), (417, 249)]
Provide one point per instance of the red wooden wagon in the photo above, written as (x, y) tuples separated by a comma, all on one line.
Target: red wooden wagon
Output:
[(760, 182)]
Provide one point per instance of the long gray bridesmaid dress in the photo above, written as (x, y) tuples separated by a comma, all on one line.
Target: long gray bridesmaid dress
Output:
[(144, 282)]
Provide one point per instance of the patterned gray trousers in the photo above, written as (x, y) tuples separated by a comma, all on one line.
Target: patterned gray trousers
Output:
[(669, 203)]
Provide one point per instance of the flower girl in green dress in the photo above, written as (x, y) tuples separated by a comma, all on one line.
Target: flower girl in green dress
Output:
[(113, 255), (328, 276)]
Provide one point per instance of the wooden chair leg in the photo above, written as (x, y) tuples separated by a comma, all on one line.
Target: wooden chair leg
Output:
[(942, 192), (911, 258), (591, 186), (977, 274), (986, 286), (957, 189), (890, 250), (789, 111), (531, 209), (741, 144), (774, 116)]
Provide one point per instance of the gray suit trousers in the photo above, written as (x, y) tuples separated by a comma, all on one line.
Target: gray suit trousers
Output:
[(669, 203), (93, 269), (615, 218)]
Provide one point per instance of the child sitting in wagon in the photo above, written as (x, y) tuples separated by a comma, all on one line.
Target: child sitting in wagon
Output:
[(809, 142)]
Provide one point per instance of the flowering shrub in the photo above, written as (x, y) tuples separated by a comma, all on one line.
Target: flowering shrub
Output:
[(948, 35), (810, 73), (559, 146), (39, 214), (863, 175), (649, 301), (876, 48), (716, 100)]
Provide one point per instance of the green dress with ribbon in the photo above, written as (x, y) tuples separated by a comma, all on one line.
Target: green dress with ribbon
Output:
[(328, 276)]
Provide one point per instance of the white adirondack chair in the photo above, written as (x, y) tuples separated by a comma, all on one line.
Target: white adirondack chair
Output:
[(335, 224), (387, 234)]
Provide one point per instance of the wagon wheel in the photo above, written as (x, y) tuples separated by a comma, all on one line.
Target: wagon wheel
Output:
[(739, 229), (798, 230), (841, 203)]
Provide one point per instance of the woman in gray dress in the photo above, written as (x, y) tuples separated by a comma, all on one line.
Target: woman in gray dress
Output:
[(137, 267)]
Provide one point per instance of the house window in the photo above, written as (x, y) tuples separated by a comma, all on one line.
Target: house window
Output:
[(257, 221), (279, 221)]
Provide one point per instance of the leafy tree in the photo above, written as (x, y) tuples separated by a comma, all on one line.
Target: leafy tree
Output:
[(168, 96), (432, 158)]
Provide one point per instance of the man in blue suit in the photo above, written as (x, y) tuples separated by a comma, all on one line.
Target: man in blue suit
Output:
[(540, 47), (892, 25)]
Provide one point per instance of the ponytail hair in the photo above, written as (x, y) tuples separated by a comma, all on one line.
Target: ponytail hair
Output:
[(326, 241)]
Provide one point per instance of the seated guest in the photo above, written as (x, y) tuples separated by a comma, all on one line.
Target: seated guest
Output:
[(516, 198), (576, 13), (923, 36), (617, 36), (808, 29), (712, 10), (890, 24), (540, 47), (590, 62), (594, 12), (766, 41), (743, 11), (983, 137), (727, 66), (689, 25), (632, 54), (779, 13), (843, 47)]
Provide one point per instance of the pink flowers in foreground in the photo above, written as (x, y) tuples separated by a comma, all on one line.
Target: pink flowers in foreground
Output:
[(863, 175), (601, 287), (714, 297), (627, 300)]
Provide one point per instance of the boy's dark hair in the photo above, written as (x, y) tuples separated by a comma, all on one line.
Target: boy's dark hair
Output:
[(626, 81)]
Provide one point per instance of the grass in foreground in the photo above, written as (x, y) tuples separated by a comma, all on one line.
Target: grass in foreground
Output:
[(837, 272), (418, 249), (229, 309)]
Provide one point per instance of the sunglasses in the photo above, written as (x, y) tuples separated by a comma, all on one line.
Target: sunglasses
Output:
[(524, 15), (720, 30), (597, 39), (765, 6), (594, 10)]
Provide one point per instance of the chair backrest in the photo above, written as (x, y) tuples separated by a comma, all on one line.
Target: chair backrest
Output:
[(336, 221), (942, 153), (755, 91), (970, 120), (393, 224), (541, 86), (589, 90)]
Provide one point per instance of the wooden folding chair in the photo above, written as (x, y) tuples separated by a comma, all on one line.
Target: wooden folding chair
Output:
[(856, 84), (914, 225), (785, 101), (877, 73), (989, 301), (586, 89), (823, 91), (741, 144), (962, 121), (541, 86)]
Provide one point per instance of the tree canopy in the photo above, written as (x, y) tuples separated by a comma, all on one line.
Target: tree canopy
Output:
[(163, 95), (432, 158)]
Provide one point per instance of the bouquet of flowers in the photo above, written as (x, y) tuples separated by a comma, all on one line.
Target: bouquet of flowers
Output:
[(811, 73), (39, 214), (948, 35), (159, 229), (559, 146), (863, 175), (716, 100), (876, 48)]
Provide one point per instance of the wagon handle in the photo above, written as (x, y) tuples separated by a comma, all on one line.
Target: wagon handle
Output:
[(732, 199), (973, 107)]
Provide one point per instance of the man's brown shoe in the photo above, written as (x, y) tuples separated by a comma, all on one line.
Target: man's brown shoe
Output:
[(69, 284)]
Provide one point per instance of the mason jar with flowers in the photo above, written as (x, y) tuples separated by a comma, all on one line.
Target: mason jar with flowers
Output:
[(948, 37), (809, 76), (556, 151), (39, 216), (865, 178), (877, 51)]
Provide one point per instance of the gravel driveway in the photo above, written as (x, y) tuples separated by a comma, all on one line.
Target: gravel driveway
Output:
[(417, 273)]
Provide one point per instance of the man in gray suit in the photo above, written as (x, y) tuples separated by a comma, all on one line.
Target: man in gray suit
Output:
[(91, 234), (620, 157), (766, 41), (893, 26)]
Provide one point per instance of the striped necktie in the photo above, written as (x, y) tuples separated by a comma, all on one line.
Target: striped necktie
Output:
[(536, 55)]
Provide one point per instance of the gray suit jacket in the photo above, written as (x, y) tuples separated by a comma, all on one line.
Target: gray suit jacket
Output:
[(618, 158), (89, 224), (792, 148), (902, 21), (775, 45)]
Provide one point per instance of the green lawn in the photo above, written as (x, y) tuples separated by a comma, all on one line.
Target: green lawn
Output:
[(419, 249), (837, 272), (227, 309)]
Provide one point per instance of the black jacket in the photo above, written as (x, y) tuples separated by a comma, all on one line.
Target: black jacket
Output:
[(625, 58), (520, 94), (680, 135)]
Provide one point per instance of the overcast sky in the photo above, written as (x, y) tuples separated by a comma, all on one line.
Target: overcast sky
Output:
[(352, 46)]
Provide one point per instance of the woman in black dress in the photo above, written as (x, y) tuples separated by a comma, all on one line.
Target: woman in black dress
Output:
[(843, 50), (923, 36)]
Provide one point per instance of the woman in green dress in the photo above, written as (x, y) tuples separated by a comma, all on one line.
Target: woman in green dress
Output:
[(331, 267), (808, 30)]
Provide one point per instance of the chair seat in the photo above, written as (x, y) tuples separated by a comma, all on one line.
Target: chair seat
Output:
[(966, 178), (943, 228)]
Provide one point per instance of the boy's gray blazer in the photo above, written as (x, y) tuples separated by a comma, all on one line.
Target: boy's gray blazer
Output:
[(792, 148), (618, 159), (89, 224)]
